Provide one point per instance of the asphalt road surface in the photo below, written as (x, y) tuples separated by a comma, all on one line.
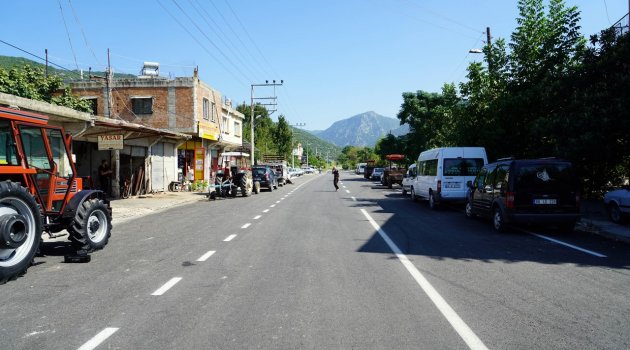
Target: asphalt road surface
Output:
[(305, 267)]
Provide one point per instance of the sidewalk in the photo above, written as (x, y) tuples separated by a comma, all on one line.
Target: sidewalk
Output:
[(595, 220), (126, 209)]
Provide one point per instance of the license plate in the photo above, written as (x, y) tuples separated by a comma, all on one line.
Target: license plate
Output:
[(545, 201), (451, 185)]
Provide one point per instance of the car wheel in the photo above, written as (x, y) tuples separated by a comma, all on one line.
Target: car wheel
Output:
[(432, 203), (469, 211), (614, 213), (498, 221), (413, 195)]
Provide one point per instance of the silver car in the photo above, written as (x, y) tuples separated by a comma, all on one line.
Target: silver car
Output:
[(617, 204)]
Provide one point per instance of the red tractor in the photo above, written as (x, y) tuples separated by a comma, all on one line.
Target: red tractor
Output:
[(41, 192)]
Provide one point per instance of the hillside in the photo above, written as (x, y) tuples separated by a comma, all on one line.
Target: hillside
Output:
[(8, 62), (362, 130), (323, 147)]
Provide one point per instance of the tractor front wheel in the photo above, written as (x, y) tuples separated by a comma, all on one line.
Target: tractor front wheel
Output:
[(20, 230), (92, 225)]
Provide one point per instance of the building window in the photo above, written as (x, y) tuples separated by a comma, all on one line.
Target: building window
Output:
[(206, 109), (212, 112), (237, 129), (142, 105), (93, 101), (226, 125)]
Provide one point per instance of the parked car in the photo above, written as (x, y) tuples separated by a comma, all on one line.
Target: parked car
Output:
[(408, 179), (376, 174), (265, 176), (360, 168), (444, 172), (526, 191), (617, 204)]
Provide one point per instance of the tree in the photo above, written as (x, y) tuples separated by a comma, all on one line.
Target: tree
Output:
[(283, 137), (263, 129), (29, 82)]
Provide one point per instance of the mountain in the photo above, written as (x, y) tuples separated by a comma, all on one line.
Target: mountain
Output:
[(362, 130)]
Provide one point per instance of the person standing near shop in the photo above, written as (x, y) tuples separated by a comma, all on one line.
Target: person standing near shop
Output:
[(104, 176), (335, 178)]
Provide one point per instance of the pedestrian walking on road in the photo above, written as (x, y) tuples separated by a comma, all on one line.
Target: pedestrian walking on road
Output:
[(335, 178)]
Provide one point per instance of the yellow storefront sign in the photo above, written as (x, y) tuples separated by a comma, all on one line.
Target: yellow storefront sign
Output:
[(209, 131)]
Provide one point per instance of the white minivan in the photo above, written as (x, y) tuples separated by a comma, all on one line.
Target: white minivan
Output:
[(443, 173)]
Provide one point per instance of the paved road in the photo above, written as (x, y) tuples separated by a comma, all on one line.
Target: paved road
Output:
[(305, 267)]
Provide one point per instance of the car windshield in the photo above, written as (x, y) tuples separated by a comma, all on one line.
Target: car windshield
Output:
[(462, 166), (259, 171)]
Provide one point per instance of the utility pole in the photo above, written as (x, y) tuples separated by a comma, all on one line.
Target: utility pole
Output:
[(274, 84), (46, 51)]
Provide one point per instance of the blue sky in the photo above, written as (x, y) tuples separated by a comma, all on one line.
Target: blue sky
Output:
[(338, 58)]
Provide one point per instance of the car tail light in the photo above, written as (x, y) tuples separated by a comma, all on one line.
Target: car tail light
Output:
[(439, 186), (509, 200)]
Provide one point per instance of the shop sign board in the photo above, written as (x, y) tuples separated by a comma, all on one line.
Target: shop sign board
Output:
[(107, 142), (209, 131), (200, 155)]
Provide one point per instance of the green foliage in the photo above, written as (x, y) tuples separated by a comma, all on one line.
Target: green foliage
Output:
[(31, 83), (551, 95), (8, 62)]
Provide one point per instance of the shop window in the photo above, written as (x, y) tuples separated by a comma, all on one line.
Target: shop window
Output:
[(142, 105)]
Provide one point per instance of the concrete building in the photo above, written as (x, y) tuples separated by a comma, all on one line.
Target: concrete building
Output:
[(142, 150), (183, 105)]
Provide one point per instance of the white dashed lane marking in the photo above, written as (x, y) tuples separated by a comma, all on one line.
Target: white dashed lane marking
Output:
[(266, 211), (206, 256), (246, 225), (98, 339), (273, 205), (168, 285), (229, 238), (347, 191), (257, 217)]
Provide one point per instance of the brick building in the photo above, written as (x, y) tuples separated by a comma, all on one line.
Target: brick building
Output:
[(184, 104)]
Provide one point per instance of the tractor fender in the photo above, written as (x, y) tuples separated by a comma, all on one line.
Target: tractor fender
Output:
[(80, 197)]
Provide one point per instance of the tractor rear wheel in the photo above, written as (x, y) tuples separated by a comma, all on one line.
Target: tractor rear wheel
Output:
[(20, 230), (92, 225)]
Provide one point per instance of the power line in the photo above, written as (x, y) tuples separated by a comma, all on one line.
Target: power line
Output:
[(210, 40), (220, 34), (200, 44), (68, 34), (238, 37), (40, 58), (76, 18)]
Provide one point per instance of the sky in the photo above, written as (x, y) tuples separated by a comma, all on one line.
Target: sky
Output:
[(336, 58)]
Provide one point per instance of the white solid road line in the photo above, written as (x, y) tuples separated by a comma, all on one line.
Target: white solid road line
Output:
[(451, 316), (257, 217), (229, 238), (98, 339), (565, 244), (246, 225), (168, 285), (207, 255)]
